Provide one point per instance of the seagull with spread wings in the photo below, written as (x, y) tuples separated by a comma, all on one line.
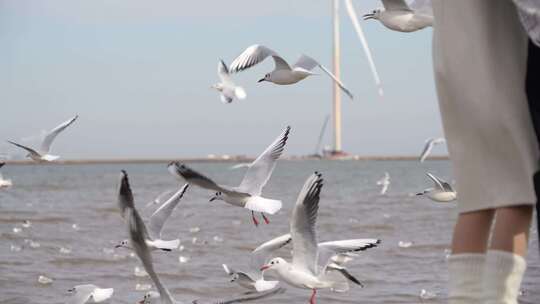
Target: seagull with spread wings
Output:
[(81, 294), (283, 73), (442, 191), (42, 154), (312, 263), (248, 193)]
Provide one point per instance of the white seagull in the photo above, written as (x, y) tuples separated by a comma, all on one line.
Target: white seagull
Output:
[(428, 146), (283, 73), (81, 294), (253, 279), (43, 153), (157, 219), (399, 16), (226, 87), (4, 183), (384, 182), (310, 267), (248, 194), (138, 236), (441, 192)]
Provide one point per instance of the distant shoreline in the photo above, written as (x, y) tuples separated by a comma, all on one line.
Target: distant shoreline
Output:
[(217, 159)]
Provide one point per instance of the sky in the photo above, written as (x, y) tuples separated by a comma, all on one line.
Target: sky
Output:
[(138, 73)]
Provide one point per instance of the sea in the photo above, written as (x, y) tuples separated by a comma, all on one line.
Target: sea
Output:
[(59, 225)]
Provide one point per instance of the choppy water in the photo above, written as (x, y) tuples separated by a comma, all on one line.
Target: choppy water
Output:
[(54, 198)]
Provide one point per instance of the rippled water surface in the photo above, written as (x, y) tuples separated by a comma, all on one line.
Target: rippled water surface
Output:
[(75, 224)]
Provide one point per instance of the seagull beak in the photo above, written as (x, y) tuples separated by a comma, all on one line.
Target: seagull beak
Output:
[(368, 16), (265, 267), (117, 246), (141, 302), (420, 193), (212, 199), (261, 80)]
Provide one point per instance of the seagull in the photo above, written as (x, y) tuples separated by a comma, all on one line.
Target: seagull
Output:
[(43, 154), (428, 146), (283, 73), (248, 194), (4, 183), (254, 279), (442, 192), (399, 16), (157, 219), (311, 265), (138, 237), (384, 182), (226, 87), (84, 293)]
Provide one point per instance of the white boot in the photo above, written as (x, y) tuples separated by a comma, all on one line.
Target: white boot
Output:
[(465, 271), (502, 277)]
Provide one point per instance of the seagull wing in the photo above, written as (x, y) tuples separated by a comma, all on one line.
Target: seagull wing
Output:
[(329, 250), (194, 177), (395, 5), (102, 294), (81, 294), (436, 181), (260, 170), (255, 54), (160, 216), (125, 196), (427, 149), (30, 150), (303, 221), (223, 73), (47, 141), (424, 7), (307, 63), (263, 253), (138, 235)]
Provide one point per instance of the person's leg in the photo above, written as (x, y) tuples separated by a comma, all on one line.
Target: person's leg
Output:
[(505, 261), (466, 264), (471, 232)]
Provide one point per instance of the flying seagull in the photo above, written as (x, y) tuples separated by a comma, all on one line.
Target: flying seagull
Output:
[(428, 146), (157, 219), (311, 265), (81, 294), (283, 73), (42, 154), (442, 191), (384, 182), (248, 193), (226, 87), (397, 15)]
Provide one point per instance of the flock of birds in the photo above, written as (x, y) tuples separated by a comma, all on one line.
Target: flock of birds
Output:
[(314, 265)]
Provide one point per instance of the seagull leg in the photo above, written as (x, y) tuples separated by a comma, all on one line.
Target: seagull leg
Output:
[(255, 222), (266, 220), (312, 299)]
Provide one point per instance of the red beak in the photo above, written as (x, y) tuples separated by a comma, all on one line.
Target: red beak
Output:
[(265, 267)]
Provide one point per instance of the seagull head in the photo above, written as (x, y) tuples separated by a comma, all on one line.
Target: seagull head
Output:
[(234, 277), (218, 196), (265, 78), (274, 263), (375, 14), (149, 298), (122, 244)]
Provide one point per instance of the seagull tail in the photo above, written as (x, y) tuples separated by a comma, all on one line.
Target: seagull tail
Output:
[(261, 204)]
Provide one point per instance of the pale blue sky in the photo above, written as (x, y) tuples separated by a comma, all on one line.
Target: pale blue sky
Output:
[(138, 73)]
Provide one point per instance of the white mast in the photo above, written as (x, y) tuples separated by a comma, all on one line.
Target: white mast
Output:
[(336, 109)]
